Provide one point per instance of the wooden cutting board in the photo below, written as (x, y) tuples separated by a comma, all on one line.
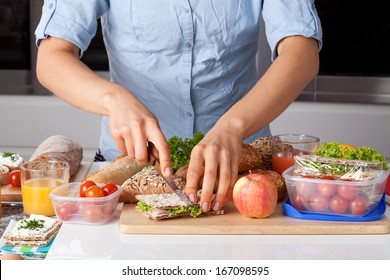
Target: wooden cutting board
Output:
[(11, 194), (232, 222)]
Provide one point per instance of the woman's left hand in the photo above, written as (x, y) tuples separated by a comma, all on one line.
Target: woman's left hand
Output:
[(214, 163)]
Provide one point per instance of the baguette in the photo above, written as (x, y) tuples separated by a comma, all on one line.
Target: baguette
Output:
[(58, 147), (147, 181), (116, 172)]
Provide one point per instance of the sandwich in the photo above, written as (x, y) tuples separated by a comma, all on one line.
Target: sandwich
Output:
[(35, 231), (168, 206)]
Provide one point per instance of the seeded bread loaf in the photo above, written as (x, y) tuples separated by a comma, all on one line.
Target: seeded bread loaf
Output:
[(147, 181)]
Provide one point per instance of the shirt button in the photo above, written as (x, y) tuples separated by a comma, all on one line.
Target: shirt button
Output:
[(188, 45), (186, 81), (50, 5), (189, 114), (186, 10)]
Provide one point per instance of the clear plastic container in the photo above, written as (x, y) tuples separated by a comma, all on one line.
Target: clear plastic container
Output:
[(71, 208), (341, 197)]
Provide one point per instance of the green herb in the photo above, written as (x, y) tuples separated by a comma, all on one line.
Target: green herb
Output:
[(13, 156), (32, 224), (336, 150), (181, 149)]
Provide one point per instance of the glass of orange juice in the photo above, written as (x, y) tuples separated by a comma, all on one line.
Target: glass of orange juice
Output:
[(38, 179), (286, 146)]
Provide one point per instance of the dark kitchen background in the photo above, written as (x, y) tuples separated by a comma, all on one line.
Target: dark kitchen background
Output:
[(355, 59)]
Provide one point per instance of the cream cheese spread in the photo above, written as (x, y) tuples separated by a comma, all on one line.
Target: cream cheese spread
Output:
[(10, 159), (35, 225)]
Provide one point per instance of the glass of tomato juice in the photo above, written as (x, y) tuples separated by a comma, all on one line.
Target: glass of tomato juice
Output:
[(38, 179), (286, 146)]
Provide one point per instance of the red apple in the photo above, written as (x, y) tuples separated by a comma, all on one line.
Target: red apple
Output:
[(255, 195)]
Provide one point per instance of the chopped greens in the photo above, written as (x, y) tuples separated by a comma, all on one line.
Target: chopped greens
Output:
[(144, 207), (181, 149), (13, 156), (336, 150), (32, 224)]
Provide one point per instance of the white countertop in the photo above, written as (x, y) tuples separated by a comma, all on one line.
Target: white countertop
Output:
[(76, 241)]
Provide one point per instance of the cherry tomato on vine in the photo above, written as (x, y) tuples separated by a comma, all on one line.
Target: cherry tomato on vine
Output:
[(84, 186), (14, 178), (109, 189), (94, 191)]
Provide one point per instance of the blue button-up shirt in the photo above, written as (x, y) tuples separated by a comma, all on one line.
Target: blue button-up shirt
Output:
[(188, 61)]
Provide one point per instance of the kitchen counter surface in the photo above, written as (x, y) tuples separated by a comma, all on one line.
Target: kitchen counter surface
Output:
[(107, 242)]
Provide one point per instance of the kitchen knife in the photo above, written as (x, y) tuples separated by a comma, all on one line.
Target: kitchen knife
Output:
[(152, 158)]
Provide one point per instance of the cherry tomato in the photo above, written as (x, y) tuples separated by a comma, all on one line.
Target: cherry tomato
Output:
[(358, 206), (319, 203), (93, 213), (14, 178), (326, 190), (66, 210), (84, 186), (94, 191), (307, 189), (109, 189), (299, 202), (327, 177), (388, 186), (338, 204), (347, 191), (108, 209)]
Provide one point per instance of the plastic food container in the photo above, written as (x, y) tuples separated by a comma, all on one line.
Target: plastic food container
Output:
[(334, 197), (71, 208)]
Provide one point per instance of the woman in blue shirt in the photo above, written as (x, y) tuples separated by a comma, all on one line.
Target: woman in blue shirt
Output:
[(178, 67)]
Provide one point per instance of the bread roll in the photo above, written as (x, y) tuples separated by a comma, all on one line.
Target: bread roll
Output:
[(147, 181), (250, 158), (59, 147), (263, 145), (117, 171), (278, 179)]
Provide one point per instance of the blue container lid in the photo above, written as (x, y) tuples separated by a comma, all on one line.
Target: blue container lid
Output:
[(375, 214)]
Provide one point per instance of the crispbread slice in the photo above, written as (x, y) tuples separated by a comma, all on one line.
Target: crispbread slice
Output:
[(161, 201), (34, 238), (32, 243)]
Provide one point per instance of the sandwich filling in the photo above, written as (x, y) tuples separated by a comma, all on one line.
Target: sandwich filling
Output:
[(193, 211)]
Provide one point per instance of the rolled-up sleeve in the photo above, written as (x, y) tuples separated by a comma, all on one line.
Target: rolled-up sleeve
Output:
[(72, 20), (285, 18)]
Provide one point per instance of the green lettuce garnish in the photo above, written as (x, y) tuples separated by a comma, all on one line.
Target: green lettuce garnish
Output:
[(181, 149), (193, 211), (336, 150)]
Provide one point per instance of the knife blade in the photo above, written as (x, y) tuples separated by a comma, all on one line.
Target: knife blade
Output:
[(153, 158)]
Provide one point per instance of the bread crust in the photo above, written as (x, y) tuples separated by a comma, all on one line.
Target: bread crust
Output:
[(116, 172), (58, 147)]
